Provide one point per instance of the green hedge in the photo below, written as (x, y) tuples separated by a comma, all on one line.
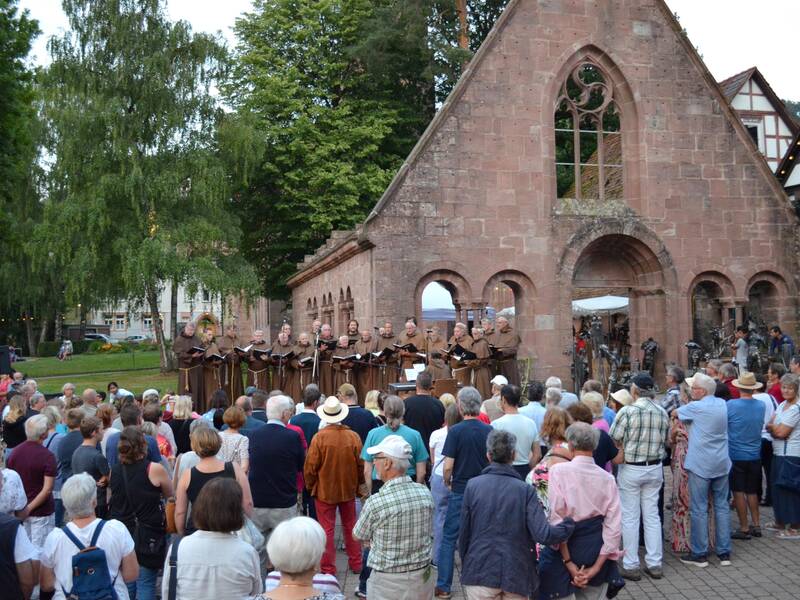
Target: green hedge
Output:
[(51, 348)]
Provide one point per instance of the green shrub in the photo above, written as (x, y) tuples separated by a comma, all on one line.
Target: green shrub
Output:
[(95, 346), (81, 346), (48, 348)]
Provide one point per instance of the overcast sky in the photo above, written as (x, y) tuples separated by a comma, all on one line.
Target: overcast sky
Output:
[(732, 35)]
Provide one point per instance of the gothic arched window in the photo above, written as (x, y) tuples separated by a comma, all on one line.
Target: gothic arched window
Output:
[(588, 139)]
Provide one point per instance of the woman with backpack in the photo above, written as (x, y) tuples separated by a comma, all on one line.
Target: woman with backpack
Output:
[(100, 552), (137, 489)]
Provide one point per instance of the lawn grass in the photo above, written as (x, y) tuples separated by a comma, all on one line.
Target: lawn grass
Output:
[(134, 381), (88, 363)]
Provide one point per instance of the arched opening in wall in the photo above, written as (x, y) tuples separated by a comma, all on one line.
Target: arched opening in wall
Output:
[(438, 308), (502, 302), (617, 287), (711, 323), (345, 312), (763, 307)]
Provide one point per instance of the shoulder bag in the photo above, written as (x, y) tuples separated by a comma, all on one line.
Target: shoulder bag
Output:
[(150, 542)]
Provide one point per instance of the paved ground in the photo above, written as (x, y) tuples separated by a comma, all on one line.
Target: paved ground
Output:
[(762, 568)]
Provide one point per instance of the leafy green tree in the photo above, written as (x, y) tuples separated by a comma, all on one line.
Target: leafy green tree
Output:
[(324, 132), (25, 292), (137, 190), (794, 109)]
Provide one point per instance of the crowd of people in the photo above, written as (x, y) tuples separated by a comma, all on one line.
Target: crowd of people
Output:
[(544, 496)]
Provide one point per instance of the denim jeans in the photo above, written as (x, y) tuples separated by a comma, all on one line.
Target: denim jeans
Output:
[(441, 495), (143, 588), (59, 512), (699, 488), (446, 559)]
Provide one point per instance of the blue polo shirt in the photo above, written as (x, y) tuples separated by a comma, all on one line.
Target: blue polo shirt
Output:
[(745, 421), (412, 436), (707, 421)]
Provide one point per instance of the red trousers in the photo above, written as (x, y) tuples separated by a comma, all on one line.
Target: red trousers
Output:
[(326, 515)]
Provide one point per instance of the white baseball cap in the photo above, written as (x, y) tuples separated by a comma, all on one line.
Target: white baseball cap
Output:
[(392, 445), (499, 380)]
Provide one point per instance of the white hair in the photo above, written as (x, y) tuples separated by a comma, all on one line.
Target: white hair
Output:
[(553, 382), (67, 386), (704, 381), (35, 397), (79, 495), (552, 396), (399, 465), (594, 400), (36, 428), (277, 405), (183, 408), (296, 545)]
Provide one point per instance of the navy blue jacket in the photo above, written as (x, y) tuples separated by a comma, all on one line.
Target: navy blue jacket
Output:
[(276, 456), (501, 522)]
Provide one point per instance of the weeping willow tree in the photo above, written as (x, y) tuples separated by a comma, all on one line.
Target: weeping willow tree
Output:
[(137, 191)]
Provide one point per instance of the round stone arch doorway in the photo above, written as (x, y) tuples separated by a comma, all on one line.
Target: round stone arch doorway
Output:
[(627, 264)]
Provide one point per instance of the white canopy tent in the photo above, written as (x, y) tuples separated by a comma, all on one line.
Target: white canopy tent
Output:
[(609, 304)]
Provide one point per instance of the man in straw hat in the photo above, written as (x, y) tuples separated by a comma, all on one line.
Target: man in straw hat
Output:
[(334, 474), (745, 422), (397, 522)]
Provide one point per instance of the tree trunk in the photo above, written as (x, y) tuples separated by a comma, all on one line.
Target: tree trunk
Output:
[(463, 28), (29, 334), (43, 332), (165, 354), (82, 330), (59, 326), (173, 310)]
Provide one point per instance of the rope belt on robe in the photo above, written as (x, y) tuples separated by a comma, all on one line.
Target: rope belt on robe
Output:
[(186, 370), (257, 373)]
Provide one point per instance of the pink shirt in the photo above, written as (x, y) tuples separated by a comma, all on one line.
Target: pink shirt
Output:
[(582, 490), (602, 424)]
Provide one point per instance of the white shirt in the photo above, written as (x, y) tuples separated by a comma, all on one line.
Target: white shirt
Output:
[(535, 411), (436, 444), (526, 432), (742, 351), (769, 409), (58, 552), (12, 496), (214, 565), (788, 415), (23, 547)]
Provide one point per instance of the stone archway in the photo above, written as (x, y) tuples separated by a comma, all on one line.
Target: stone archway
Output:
[(768, 302), (712, 302), (618, 257), (453, 282)]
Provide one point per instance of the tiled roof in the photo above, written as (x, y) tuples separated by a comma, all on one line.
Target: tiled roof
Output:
[(731, 86)]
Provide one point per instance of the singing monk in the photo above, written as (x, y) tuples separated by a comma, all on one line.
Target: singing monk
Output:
[(387, 365), (304, 349), (284, 377), (461, 372), (190, 365), (258, 374), (212, 370), (353, 335), (436, 344), (231, 372), (343, 369), (412, 336), (481, 375), (366, 370), (325, 352), (507, 343)]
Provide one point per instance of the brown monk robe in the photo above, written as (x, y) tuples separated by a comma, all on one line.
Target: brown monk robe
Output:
[(488, 333), (461, 372), (343, 371), (366, 370), (231, 371), (258, 374), (437, 366), (304, 349), (284, 377), (325, 366), (190, 365), (408, 359), (212, 371), (481, 375), (387, 366), (507, 342)]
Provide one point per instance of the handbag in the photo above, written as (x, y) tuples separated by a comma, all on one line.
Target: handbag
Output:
[(149, 542), (250, 534), (169, 511), (788, 475)]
